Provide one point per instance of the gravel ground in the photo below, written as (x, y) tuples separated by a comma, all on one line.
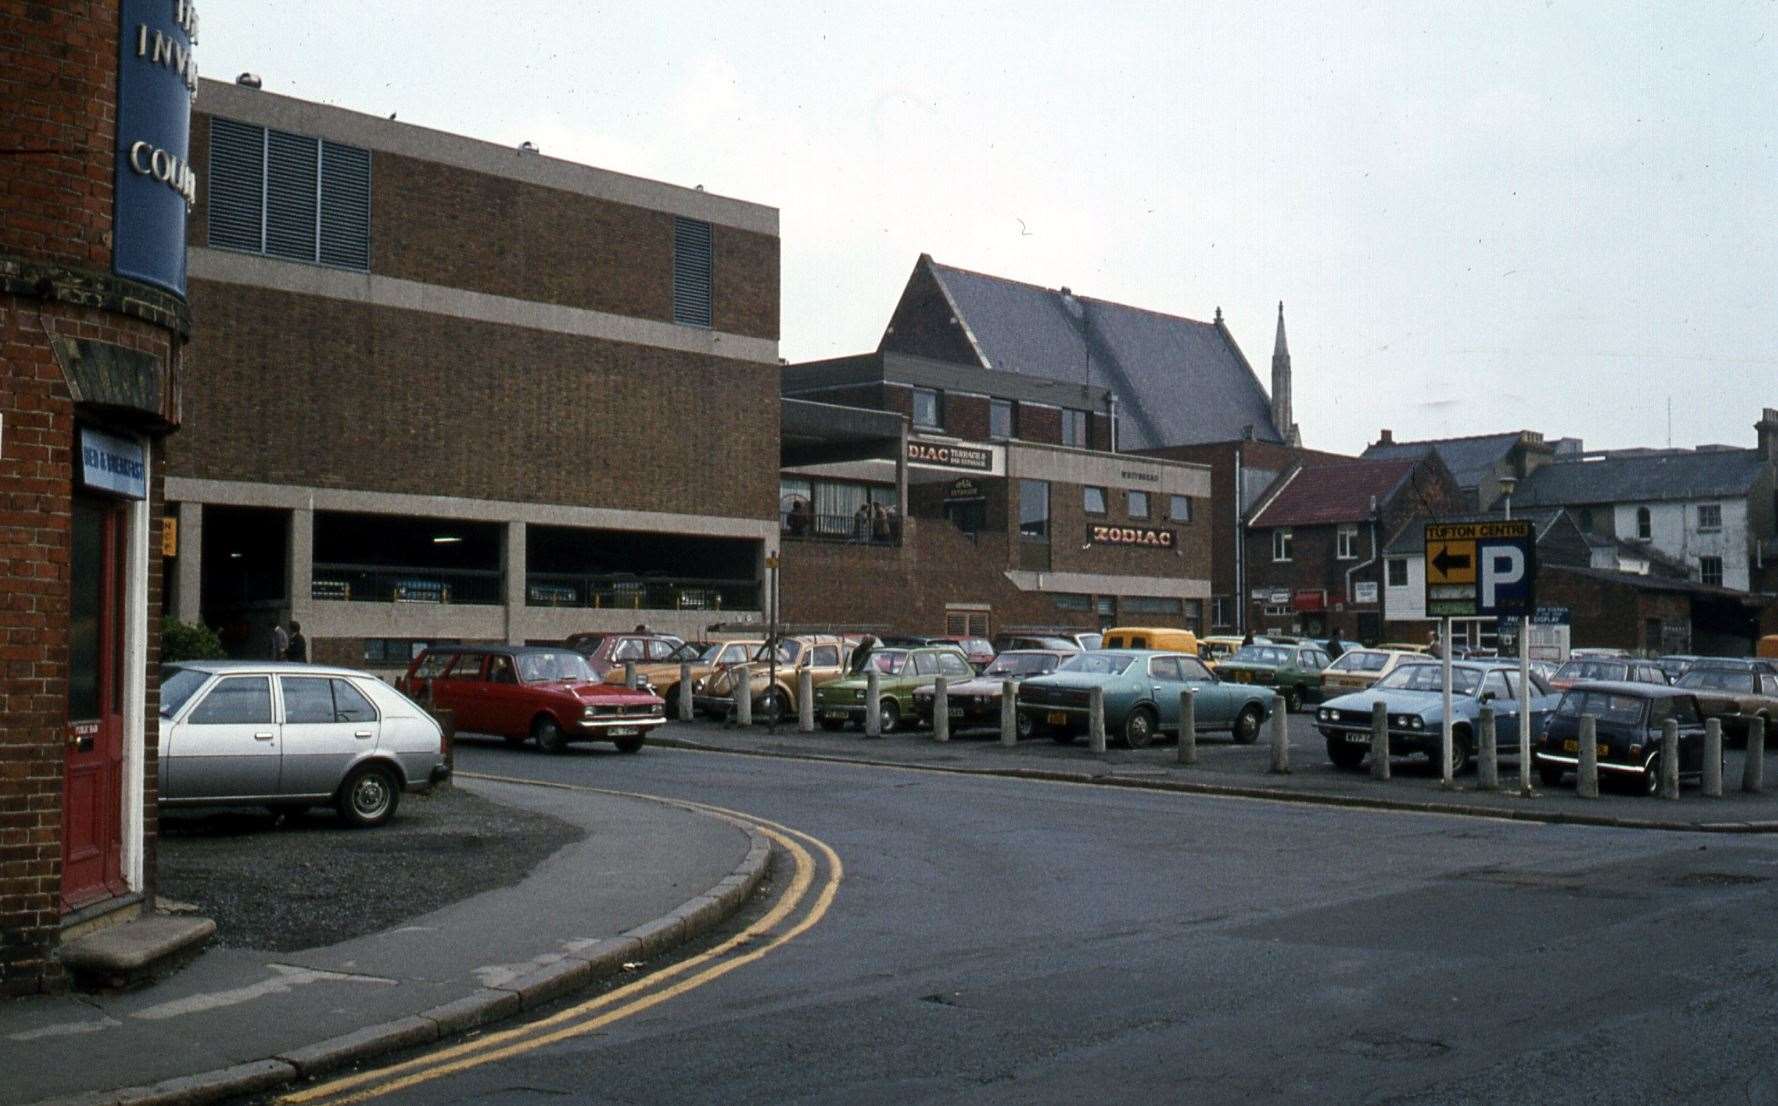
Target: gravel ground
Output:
[(305, 881)]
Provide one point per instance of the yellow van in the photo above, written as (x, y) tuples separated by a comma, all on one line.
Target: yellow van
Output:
[(1768, 646), (1151, 637)]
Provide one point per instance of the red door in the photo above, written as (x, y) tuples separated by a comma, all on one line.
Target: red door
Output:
[(92, 795)]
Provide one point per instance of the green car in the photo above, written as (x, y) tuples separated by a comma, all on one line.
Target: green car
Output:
[(1141, 690), (1294, 670), (899, 672)]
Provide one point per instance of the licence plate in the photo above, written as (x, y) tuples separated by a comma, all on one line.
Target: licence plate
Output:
[(956, 712), (622, 731), (835, 716), (1572, 745), (1358, 739), (1058, 718)]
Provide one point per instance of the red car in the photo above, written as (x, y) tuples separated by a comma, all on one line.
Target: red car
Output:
[(979, 650), (526, 692)]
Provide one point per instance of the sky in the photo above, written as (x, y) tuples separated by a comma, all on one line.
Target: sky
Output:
[(1554, 216)]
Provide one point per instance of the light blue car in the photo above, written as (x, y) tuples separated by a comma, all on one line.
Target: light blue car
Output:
[(1141, 691), (1413, 698)]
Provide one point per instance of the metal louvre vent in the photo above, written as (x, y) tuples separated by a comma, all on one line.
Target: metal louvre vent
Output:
[(290, 221), (345, 206), (691, 271), (236, 183)]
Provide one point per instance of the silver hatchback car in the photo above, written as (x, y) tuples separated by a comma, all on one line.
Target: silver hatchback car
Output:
[(292, 736)]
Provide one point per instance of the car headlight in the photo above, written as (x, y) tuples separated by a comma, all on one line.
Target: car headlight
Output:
[(1417, 722), (589, 712), (1324, 714)]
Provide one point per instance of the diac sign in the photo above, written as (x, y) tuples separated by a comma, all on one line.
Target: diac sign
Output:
[(1131, 535)]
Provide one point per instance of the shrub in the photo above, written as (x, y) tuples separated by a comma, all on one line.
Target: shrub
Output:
[(188, 641)]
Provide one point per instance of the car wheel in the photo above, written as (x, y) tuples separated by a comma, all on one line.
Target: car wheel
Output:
[(629, 744), (369, 796), (888, 715), (1343, 754), (774, 708), (832, 725), (1246, 728), (1024, 726), (1293, 699), (1139, 728), (1460, 751), (1651, 776), (1550, 774), (549, 735)]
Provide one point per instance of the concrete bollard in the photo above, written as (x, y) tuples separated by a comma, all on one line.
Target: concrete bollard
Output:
[(743, 715), (1096, 720), (941, 709), (1670, 759), (1586, 772), (805, 701), (873, 703), (1713, 758), (685, 711), (1487, 750), (1753, 768), (1009, 712), (1379, 741), (630, 675), (1280, 741), (1188, 726)]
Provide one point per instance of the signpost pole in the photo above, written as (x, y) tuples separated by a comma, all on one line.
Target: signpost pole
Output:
[(1444, 641), (1525, 706)]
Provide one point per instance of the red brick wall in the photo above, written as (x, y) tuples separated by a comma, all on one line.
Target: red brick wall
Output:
[(300, 390), (484, 233)]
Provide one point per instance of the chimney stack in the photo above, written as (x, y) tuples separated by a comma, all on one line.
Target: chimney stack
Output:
[(1386, 437), (1767, 429)]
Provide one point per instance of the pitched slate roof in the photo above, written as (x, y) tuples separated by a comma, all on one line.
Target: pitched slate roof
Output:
[(1338, 492), (1469, 459), (1178, 381), (1641, 478)]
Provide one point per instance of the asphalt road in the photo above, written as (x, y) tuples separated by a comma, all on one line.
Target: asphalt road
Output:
[(1008, 941)]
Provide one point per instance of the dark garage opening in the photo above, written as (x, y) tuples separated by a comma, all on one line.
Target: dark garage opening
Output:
[(401, 559), (634, 570), (244, 580)]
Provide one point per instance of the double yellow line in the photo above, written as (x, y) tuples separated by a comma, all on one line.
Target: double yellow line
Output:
[(632, 998)]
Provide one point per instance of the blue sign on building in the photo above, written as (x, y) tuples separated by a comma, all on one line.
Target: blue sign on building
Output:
[(156, 80)]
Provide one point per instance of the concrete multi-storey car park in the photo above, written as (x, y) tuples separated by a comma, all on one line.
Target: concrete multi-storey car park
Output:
[(453, 390)]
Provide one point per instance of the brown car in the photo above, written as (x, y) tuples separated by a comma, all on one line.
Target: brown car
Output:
[(605, 651), (977, 702), (823, 655), (663, 675), (1733, 695)]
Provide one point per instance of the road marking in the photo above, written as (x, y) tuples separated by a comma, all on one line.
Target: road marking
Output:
[(646, 992)]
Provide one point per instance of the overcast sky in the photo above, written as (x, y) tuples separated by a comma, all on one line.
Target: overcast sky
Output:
[(1480, 217)]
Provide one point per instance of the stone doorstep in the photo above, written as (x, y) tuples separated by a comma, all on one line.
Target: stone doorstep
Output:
[(135, 952)]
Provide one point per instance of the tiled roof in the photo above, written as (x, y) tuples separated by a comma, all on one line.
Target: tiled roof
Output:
[(1680, 474), (1469, 459), (1178, 381), (1337, 492)]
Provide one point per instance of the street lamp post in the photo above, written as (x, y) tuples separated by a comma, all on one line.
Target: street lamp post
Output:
[(1507, 486)]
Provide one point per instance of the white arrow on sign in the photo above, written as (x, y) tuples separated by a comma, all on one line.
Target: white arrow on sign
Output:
[(1502, 565)]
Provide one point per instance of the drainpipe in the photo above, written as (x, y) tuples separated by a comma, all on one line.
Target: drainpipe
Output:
[(1365, 564), (1111, 401), (1240, 546)]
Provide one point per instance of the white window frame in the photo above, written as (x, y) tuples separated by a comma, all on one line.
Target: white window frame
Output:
[(1704, 572), (1282, 545), (1346, 542), (1709, 528), (1389, 572)]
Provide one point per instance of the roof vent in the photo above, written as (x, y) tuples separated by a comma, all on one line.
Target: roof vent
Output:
[(248, 80), (527, 147)]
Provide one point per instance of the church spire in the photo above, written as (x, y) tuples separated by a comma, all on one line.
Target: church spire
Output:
[(1281, 413)]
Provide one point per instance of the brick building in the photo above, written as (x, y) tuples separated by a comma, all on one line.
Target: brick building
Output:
[(93, 324), (457, 390), (1315, 541)]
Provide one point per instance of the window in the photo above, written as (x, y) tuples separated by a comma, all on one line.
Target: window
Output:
[(691, 271), (288, 196), (1149, 604), (1281, 544), (1034, 510), (1074, 602), (1194, 671), (238, 701), (926, 409), (1219, 611), (1093, 500), (1074, 428), (1709, 517), (1000, 424), (1138, 504), (501, 671), (925, 664), (1179, 508), (825, 656), (950, 664), (398, 651), (1644, 524), (1710, 570), (1346, 543), (1398, 572), (1163, 668), (306, 699)]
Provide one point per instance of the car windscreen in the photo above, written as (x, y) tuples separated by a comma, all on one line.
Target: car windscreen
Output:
[(788, 651), (553, 666), (711, 652), (890, 662), (1428, 677), (1718, 679), (1603, 705), (1097, 664), (177, 688), (1021, 664), (1593, 670), (1261, 654), (1360, 660)]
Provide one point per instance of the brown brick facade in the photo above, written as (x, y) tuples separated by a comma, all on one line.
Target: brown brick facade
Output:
[(55, 250)]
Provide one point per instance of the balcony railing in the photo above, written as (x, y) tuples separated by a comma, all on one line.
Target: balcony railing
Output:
[(385, 584), (841, 528), (606, 592)]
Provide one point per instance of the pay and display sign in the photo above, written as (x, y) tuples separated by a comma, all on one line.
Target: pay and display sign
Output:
[(1480, 569)]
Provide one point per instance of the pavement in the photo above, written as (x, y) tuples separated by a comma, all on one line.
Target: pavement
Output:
[(648, 875), (1244, 771)]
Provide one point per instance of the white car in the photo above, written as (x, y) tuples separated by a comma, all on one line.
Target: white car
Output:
[(291, 736)]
